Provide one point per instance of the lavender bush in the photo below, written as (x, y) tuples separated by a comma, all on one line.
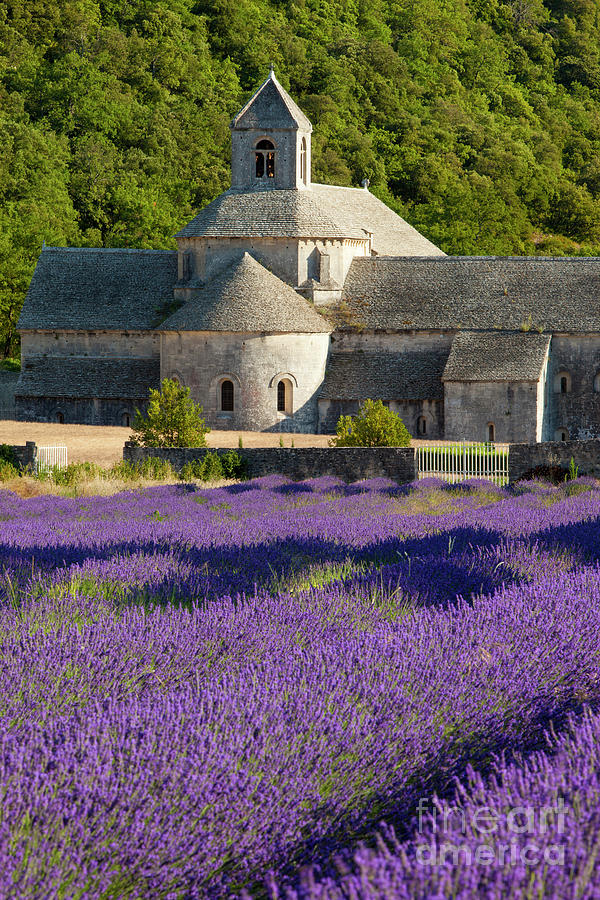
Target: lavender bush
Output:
[(281, 690)]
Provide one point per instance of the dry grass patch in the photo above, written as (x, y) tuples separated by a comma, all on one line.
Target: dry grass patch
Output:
[(103, 444)]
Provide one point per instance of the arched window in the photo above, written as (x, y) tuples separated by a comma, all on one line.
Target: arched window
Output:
[(303, 161), (562, 382), (491, 432), (421, 425), (561, 434), (264, 157), (227, 396), (281, 397), (284, 396), (59, 417)]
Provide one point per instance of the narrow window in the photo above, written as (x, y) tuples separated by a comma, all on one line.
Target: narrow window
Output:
[(562, 382), (421, 425), (491, 432), (227, 396), (561, 434), (597, 383), (303, 161), (285, 397), (264, 159), (126, 420), (281, 396)]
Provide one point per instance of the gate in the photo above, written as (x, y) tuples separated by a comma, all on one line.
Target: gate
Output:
[(467, 459), (49, 457)]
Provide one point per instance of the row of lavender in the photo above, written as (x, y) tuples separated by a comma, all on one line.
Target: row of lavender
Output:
[(260, 690)]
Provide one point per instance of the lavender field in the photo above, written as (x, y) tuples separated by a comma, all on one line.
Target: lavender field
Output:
[(301, 690)]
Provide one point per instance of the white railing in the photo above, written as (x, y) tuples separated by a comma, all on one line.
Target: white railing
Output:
[(467, 459), (49, 457)]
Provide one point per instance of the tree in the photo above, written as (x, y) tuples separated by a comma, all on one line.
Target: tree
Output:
[(172, 420), (375, 425)]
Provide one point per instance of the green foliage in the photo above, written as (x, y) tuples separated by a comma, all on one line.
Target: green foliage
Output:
[(172, 419), (375, 425), (72, 474), (477, 121), (8, 455), (153, 468), (214, 466), (10, 365), (572, 472), (7, 470)]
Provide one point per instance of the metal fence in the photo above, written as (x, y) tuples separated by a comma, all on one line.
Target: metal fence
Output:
[(49, 457), (467, 459)]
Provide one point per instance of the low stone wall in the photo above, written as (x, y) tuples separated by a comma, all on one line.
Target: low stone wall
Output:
[(522, 458), (347, 463), (25, 454)]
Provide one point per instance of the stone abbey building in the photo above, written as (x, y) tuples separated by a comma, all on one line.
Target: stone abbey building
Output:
[(287, 303)]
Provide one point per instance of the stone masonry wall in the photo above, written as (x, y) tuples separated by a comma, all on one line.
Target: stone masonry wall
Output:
[(92, 411), (522, 458), (25, 454), (8, 384), (347, 463), (470, 406), (578, 410), (254, 363)]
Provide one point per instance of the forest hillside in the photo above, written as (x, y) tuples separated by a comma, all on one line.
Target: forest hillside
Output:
[(477, 120)]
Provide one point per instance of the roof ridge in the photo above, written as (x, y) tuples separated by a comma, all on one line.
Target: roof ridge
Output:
[(292, 107), (47, 248), (245, 296)]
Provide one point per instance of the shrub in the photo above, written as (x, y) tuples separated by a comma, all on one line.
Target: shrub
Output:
[(374, 426), (214, 466), (7, 471), (8, 455), (172, 420), (10, 365), (73, 473), (152, 468)]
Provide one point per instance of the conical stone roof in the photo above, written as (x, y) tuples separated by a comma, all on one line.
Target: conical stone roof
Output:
[(246, 297)]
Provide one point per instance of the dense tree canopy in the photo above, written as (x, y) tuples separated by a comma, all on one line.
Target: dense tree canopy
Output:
[(478, 120)]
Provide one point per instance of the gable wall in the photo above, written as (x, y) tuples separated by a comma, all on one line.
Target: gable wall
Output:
[(470, 405)]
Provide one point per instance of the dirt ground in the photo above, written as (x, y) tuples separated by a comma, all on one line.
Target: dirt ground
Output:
[(103, 444)]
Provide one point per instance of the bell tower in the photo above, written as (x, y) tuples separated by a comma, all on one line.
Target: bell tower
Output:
[(270, 142)]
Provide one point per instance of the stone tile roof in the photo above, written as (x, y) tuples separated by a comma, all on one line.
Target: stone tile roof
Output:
[(271, 107), (74, 288), (362, 375), (269, 213), (323, 211), (496, 356), (392, 235), (247, 297), (558, 294), (84, 376)]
